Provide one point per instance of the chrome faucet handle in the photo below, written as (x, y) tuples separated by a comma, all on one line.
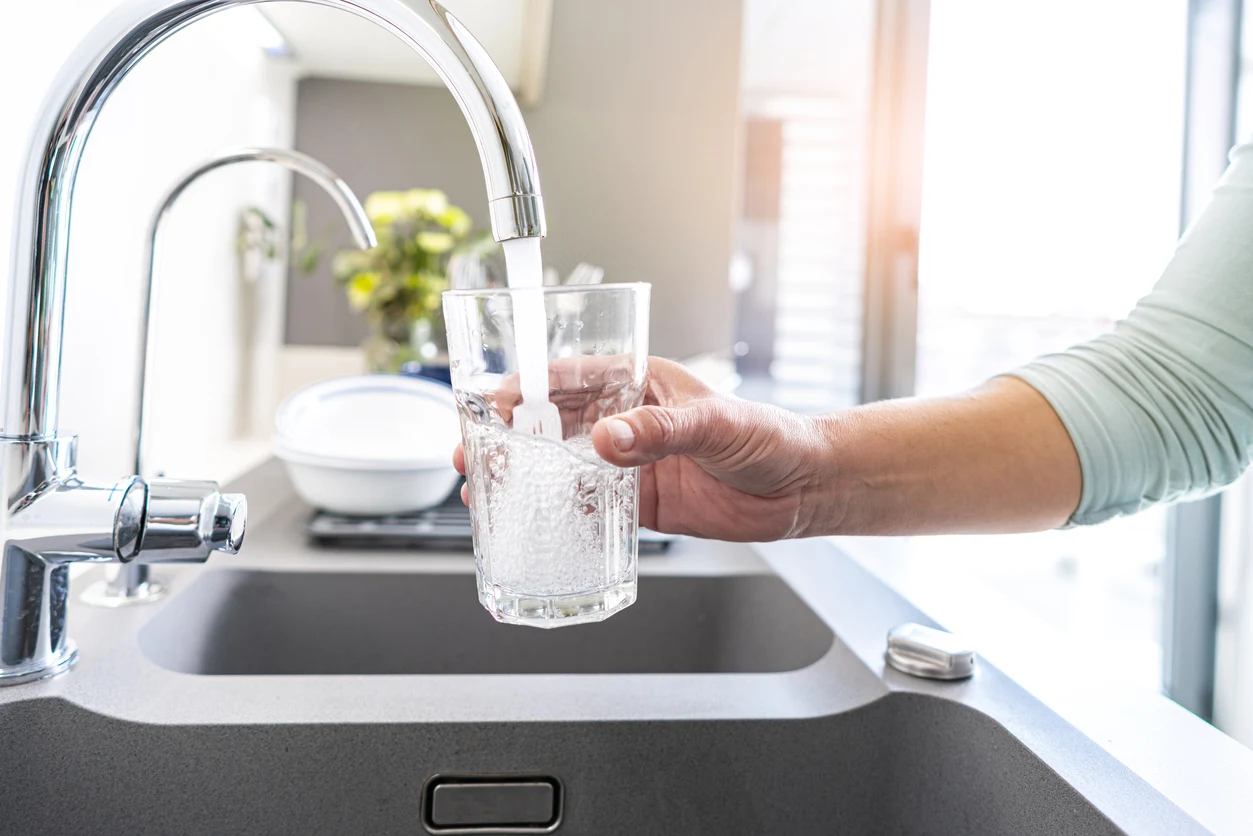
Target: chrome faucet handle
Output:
[(179, 521), (186, 520), (61, 520)]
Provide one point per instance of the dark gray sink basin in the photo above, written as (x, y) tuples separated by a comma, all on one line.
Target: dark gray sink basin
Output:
[(250, 622), (906, 764)]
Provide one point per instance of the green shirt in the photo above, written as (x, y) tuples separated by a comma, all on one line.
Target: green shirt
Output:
[(1161, 408)]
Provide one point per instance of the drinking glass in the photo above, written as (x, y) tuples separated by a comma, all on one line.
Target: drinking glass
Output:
[(555, 526)]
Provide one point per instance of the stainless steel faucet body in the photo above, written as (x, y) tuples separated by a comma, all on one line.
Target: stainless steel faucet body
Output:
[(48, 517), (133, 583)]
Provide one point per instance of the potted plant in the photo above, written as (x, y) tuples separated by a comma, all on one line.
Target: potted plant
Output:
[(397, 285)]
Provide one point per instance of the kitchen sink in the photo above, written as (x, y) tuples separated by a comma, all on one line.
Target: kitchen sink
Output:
[(905, 764), (258, 622), (302, 690)]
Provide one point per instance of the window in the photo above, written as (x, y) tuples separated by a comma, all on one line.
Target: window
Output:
[(804, 97), (1051, 193)]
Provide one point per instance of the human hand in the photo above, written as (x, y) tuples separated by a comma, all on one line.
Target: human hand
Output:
[(710, 465)]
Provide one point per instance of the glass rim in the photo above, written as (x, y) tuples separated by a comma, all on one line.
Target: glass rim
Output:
[(553, 289)]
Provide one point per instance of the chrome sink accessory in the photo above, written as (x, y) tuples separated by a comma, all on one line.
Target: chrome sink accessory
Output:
[(48, 517), (929, 653), (132, 583)]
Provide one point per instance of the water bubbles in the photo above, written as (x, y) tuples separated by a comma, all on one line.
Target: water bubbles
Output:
[(553, 516)]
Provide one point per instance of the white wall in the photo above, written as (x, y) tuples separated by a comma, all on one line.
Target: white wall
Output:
[(208, 88)]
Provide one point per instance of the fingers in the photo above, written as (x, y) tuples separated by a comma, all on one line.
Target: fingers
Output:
[(573, 374), (681, 416), (576, 383), (651, 433), (648, 501), (459, 462)]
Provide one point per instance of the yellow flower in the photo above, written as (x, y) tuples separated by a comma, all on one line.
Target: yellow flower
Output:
[(435, 242), (361, 289), (431, 202), (347, 263), (456, 220), (384, 208)]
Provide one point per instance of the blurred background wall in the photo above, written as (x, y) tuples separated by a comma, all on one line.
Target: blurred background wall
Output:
[(635, 135)]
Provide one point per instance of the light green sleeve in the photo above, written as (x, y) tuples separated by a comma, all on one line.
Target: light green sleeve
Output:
[(1161, 408)]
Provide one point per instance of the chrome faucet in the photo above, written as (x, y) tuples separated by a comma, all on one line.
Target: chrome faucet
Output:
[(48, 517), (133, 583)]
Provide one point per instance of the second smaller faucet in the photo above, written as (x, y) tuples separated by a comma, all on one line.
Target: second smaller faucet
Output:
[(132, 582)]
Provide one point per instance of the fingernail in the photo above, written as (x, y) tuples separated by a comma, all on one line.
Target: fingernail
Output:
[(621, 433)]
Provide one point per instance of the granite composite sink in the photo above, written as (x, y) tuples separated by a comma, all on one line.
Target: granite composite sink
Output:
[(296, 691), (892, 762)]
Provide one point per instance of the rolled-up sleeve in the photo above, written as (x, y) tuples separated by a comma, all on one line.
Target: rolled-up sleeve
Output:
[(1161, 408)]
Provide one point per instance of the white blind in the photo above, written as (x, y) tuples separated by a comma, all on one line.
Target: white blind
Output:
[(817, 345)]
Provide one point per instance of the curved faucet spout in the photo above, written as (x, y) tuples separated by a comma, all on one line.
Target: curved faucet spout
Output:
[(354, 215), (110, 51)]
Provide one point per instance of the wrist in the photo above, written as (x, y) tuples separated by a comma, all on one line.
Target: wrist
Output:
[(825, 497)]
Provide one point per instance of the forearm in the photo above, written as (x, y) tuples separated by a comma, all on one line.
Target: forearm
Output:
[(1160, 409), (996, 459)]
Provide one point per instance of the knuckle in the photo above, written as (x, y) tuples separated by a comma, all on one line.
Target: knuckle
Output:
[(660, 426), (667, 426)]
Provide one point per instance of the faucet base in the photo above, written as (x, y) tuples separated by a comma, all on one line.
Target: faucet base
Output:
[(111, 594), (52, 665)]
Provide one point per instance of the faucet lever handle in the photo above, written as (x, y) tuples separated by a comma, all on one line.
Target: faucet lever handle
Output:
[(230, 518), (186, 519)]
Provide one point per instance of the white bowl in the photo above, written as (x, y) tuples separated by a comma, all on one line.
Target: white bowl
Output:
[(367, 492), (370, 444)]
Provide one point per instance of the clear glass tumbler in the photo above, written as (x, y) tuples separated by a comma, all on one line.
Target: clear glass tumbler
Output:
[(555, 526)]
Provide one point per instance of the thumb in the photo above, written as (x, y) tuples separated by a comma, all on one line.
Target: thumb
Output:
[(649, 433)]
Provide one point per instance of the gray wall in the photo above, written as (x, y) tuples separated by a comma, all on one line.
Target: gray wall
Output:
[(636, 141)]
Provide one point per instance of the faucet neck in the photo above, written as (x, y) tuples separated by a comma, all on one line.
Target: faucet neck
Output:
[(31, 390)]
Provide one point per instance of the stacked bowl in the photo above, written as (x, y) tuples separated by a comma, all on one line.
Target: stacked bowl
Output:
[(370, 445)]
